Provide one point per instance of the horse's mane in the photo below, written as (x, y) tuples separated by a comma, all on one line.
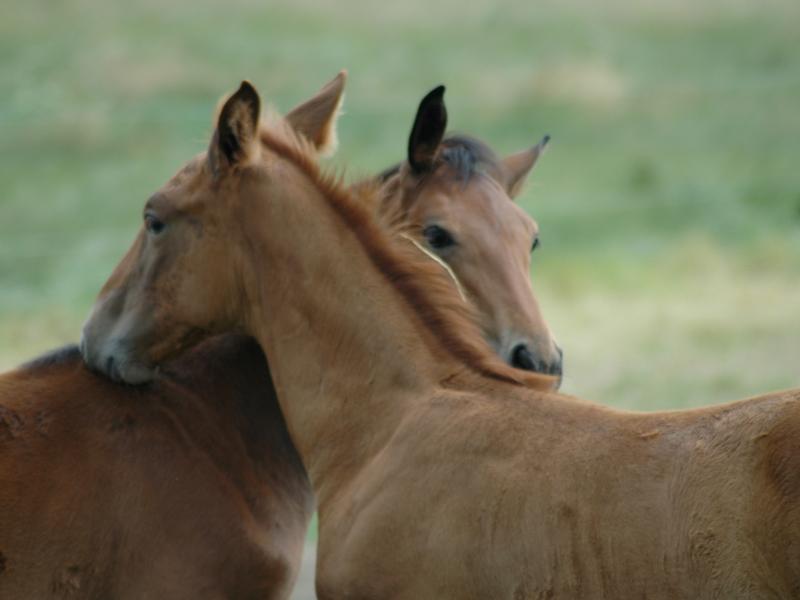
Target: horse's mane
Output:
[(423, 284), (469, 156), (69, 354), (464, 154)]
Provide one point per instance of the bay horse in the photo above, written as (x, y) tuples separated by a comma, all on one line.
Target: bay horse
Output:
[(455, 196), (439, 471), (90, 504), (187, 488)]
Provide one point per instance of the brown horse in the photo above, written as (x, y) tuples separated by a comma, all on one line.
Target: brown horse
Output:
[(455, 196), (436, 473), (188, 488), (124, 532)]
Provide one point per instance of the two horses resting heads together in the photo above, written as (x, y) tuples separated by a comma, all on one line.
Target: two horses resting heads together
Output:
[(190, 486), (438, 469), (452, 195)]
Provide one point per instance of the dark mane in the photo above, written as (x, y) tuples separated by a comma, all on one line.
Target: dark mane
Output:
[(60, 356), (388, 173), (419, 280), (465, 155), (468, 156)]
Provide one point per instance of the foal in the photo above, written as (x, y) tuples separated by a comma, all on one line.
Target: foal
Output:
[(455, 196), (437, 474), (233, 523), (188, 488)]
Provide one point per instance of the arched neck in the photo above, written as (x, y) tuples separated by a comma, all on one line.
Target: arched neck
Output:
[(347, 353)]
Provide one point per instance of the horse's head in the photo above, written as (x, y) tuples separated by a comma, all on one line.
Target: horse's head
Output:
[(457, 197), (185, 276)]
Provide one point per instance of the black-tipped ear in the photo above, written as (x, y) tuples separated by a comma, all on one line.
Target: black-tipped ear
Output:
[(428, 131), (237, 126), (519, 165)]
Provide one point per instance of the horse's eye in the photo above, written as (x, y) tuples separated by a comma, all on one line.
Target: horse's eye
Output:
[(536, 243), (438, 237), (153, 224)]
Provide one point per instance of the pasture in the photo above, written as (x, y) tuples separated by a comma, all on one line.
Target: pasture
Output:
[(669, 199)]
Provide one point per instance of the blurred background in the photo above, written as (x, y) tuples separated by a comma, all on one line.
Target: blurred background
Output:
[(669, 200)]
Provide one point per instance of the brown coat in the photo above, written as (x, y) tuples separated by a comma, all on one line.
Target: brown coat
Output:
[(187, 488), (439, 471)]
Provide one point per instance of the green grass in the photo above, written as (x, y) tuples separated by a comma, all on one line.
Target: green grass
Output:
[(669, 202)]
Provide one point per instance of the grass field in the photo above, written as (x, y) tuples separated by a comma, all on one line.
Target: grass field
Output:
[(669, 202)]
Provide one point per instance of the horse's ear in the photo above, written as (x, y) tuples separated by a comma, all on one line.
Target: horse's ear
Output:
[(316, 117), (517, 166), (237, 128), (428, 131)]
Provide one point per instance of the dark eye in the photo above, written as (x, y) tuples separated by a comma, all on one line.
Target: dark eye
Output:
[(438, 237), (536, 243), (153, 224)]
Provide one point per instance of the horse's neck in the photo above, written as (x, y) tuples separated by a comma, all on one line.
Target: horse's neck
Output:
[(230, 386), (344, 353)]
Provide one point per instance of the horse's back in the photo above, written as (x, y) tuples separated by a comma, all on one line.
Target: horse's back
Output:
[(700, 503), (165, 491)]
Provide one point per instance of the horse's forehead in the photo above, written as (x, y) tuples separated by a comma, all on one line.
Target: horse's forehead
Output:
[(192, 168), (187, 180), (477, 202)]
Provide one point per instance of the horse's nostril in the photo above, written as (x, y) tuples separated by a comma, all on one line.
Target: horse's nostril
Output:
[(521, 358)]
